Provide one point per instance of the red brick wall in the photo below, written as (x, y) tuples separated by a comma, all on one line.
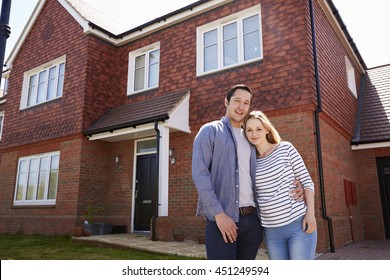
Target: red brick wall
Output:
[(96, 80), (336, 96), (58, 219), (369, 192), (49, 39), (178, 228)]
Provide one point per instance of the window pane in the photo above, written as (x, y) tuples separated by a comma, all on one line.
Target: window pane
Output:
[(42, 179), (55, 162), (147, 146), (140, 62), (1, 124), (210, 50), (21, 186), (154, 59), (21, 180), (210, 58), (53, 180), (230, 52), (23, 166), (32, 91), (139, 79), (32, 177), (251, 24), (41, 87), (51, 83), (230, 44), (41, 185), (230, 31), (210, 38), (153, 75), (251, 38), (60, 83), (139, 74)]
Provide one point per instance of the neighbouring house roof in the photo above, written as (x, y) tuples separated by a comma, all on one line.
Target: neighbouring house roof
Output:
[(158, 108), (100, 25), (96, 17), (94, 22), (373, 116)]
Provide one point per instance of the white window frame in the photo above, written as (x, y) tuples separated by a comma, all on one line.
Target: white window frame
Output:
[(351, 80), (131, 71), (4, 85), (2, 115), (34, 200), (36, 71), (218, 25)]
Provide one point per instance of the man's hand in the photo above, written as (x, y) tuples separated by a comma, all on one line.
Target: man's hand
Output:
[(227, 227), (297, 193)]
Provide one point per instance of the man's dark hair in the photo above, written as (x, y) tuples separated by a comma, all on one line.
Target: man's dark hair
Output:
[(233, 89)]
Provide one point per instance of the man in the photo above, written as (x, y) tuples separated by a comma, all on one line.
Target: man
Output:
[(223, 170)]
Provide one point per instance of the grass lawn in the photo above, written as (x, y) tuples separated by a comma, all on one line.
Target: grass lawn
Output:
[(38, 247)]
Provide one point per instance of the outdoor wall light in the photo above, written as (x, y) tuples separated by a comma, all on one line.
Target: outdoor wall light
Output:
[(171, 158), (117, 163)]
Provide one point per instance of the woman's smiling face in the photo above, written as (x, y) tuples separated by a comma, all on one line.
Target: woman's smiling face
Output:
[(255, 131)]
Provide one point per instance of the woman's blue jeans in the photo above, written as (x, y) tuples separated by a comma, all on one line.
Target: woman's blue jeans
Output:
[(290, 242)]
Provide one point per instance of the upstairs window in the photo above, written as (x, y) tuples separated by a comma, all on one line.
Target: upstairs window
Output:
[(4, 85), (37, 179), (351, 77), (229, 42), (1, 123), (43, 83), (144, 66)]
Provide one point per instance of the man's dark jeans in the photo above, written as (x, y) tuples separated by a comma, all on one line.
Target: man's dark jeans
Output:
[(250, 236)]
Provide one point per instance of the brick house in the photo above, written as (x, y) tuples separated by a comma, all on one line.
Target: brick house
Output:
[(100, 116)]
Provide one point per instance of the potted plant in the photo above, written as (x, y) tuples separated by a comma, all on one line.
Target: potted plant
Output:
[(92, 227)]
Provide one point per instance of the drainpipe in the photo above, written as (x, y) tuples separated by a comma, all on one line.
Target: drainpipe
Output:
[(5, 30), (318, 135), (158, 180)]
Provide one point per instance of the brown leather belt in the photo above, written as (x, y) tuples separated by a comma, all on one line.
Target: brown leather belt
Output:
[(247, 210)]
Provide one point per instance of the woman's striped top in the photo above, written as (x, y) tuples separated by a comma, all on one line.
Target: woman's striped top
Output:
[(275, 175)]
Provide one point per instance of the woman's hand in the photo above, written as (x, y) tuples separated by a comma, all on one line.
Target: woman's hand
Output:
[(309, 224)]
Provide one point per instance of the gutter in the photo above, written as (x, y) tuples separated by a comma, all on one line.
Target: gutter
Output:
[(318, 134), (346, 33), (153, 220), (156, 20), (111, 128)]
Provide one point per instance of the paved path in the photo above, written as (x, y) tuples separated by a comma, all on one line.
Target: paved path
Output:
[(364, 250)]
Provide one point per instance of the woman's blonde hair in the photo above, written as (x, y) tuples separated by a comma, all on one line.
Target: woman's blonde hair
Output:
[(273, 136)]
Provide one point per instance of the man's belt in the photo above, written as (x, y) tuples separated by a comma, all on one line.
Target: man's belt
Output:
[(247, 210)]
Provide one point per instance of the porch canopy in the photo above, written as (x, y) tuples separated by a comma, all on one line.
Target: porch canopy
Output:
[(137, 119)]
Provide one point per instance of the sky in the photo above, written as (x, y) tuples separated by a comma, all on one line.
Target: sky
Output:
[(367, 21)]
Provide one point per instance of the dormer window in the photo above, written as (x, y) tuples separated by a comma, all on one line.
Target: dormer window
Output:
[(43, 84)]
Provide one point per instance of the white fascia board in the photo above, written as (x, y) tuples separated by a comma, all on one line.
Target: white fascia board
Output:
[(26, 30), (179, 117), (120, 132), (371, 146), (173, 20)]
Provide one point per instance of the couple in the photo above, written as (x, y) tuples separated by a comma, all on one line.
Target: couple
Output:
[(244, 187)]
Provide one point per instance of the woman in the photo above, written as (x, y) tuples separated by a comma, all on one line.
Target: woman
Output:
[(290, 226)]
